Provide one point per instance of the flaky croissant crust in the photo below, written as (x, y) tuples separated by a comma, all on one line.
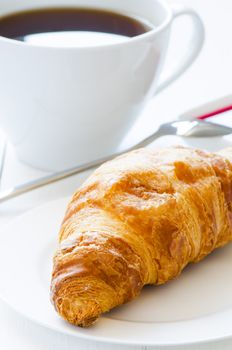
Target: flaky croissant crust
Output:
[(139, 219)]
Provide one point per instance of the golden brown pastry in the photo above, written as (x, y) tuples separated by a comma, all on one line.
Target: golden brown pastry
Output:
[(139, 219)]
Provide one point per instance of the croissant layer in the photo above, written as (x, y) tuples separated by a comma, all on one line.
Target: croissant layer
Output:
[(137, 220)]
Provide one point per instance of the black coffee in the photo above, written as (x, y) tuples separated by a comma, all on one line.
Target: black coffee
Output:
[(71, 26)]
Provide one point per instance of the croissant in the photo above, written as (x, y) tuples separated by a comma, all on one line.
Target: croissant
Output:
[(139, 219)]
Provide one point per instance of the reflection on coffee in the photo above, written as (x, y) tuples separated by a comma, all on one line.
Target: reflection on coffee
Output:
[(71, 27)]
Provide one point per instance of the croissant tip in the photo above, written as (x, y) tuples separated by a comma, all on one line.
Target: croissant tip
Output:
[(76, 312), (86, 323)]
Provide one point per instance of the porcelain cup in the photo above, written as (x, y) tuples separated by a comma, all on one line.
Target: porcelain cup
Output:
[(62, 106)]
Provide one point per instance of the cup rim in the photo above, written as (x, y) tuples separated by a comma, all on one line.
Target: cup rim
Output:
[(155, 31)]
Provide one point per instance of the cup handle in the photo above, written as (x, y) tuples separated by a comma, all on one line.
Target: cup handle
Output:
[(195, 44)]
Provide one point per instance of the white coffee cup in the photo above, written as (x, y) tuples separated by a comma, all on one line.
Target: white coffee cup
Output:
[(62, 106)]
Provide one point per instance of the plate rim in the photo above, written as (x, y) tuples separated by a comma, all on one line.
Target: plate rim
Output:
[(116, 341)]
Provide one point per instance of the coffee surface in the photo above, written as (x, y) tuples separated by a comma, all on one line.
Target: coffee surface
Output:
[(71, 27)]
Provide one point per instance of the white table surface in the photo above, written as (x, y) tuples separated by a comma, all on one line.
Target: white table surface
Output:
[(207, 79)]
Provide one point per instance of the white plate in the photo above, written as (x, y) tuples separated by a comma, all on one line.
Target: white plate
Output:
[(196, 307)]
